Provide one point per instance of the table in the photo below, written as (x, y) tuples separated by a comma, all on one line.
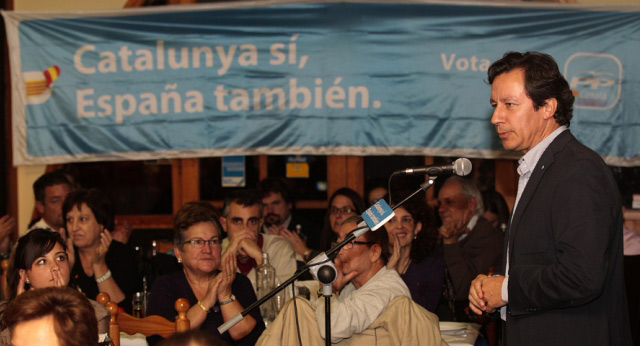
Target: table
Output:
[(459, 333)]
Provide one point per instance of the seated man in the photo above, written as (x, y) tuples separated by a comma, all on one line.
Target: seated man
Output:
[(240, 219), (360, 312), (471, 245), (50, 191), (52, 316)]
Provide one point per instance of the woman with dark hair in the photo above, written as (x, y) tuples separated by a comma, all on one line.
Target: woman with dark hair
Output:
[(215, 291), (102, 264), (496, 210), (412, 240), (343, 204), (40, 260)]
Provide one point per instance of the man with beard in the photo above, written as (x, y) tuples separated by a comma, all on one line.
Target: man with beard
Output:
[(279, 215)]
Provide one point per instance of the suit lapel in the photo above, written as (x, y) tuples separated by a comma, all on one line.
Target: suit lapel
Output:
[(546, 160)]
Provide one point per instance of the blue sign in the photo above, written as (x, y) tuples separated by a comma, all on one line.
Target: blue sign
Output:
[(324, 78)]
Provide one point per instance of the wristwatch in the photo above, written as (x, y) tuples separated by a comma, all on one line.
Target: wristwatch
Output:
[(227, 301)]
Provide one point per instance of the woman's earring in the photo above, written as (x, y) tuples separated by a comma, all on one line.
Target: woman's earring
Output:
[(179, 260), (26, 280)]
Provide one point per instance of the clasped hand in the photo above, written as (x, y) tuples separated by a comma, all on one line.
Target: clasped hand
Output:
[(485, 294)]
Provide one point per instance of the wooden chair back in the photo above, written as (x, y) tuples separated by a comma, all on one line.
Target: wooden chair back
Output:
[(150, 325), (4, 265)]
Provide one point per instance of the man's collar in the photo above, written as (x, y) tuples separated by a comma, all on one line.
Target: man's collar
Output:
[(530, 159), (470, 226)]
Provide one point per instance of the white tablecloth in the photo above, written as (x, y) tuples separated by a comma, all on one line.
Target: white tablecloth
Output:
[(459, 334), (133, 340)]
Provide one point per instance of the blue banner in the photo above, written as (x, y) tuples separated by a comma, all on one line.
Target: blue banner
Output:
[(323, 78)]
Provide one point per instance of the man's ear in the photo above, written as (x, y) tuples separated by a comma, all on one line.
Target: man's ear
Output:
[(473, 203), (550, 106), (40, 207), (375, 253), (223, 222)]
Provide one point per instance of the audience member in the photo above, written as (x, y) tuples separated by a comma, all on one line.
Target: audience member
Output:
[(52, 316), (102, 264), (210, 283), (241, 221), (496, 209), (50, 191), (471, 245), (372, 307), (281, 219), (343, 204), (192, 338), (40, 260), (376, 194), (412, 241)]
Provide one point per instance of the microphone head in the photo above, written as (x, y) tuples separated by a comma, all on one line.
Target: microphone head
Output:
[(462, 166)]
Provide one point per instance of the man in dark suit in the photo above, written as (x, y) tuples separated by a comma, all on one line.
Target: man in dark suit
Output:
[(471, 245), (563, 282)]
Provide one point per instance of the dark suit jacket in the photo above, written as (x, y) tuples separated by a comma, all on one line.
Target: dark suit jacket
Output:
[(565, 253), (473, 255)]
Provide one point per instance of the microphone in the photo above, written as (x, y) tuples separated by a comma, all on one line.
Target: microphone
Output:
[(459, 167)]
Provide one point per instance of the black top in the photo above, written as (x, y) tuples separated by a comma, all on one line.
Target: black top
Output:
[(123, 264), (168, 288)]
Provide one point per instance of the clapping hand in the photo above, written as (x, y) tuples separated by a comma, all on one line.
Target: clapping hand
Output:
[(228, 275), (393, 261)]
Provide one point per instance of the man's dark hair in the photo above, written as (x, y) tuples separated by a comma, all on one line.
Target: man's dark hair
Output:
[(192, 213), (274, 185), (379, 237), (246, 198), (542, 80), (97, 201), (46, 180), (74, 319)]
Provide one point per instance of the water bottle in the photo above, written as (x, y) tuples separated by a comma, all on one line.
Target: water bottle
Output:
[(266, 282)]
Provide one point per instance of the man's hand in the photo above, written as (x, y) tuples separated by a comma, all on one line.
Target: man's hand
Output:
[(234, 242), (451, 230), (485, 294), (298, 244), (342, 278), (250, 247)]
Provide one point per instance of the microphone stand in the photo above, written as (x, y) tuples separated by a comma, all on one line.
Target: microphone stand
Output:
[(330, 254)]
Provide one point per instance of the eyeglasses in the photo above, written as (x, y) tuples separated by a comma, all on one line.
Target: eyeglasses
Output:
[(199, 243), (349, 245), (343, 210)]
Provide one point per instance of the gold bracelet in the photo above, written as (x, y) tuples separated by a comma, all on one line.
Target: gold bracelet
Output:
[(202, 307)]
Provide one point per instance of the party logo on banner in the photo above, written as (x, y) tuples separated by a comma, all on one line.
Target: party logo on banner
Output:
[(596, 77)]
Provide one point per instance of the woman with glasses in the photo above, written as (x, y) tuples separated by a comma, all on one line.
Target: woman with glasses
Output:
[(343, 204), (101, 263), (412, 240), (210, 283)]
